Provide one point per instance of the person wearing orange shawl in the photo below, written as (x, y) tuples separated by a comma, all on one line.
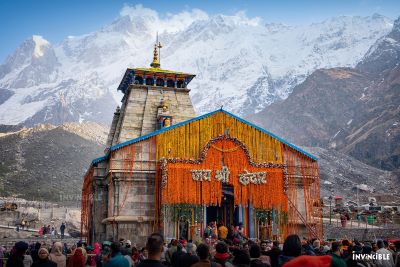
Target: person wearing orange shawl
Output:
[(222, 231)]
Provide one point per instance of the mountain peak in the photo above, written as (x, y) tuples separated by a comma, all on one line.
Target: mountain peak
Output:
[(377, 16), (240, 18), (395, 33), (39, 43), (151, 21), (384, 54), (396, 23)]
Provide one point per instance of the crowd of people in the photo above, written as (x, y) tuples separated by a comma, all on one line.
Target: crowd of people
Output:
[(49, 230), (223, 252)]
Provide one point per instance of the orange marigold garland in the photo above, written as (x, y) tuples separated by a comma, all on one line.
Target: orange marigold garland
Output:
[(180, 187)]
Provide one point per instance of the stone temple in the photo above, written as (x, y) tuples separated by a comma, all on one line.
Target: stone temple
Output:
[(166, 170)]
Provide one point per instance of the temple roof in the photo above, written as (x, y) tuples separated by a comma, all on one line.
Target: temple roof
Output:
[(131, 72), (143, 137), (155, 68), (158, 70)]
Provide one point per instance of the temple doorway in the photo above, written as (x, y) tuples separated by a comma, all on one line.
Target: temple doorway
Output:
[(227, 213)]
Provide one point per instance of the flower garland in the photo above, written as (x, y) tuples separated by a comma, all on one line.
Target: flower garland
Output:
[(219, 138), (285, 179), (188, 141), (225, 150), (86, 204), (164, 172), (184, 189), (165, 161), (190, 212)]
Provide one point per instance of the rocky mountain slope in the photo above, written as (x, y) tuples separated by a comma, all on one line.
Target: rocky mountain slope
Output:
[(242, 63), (352, 110), (341, 175), (48, 162)]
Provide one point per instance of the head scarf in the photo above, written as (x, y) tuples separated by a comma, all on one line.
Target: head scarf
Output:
[(57, 248), (96, 248), (21, 246), (78, 260), (310, 261)]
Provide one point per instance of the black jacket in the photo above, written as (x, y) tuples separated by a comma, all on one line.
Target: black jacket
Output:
[(44, 263), (15, 261)]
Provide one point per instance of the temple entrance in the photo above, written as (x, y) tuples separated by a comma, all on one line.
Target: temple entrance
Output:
[(227, 213)]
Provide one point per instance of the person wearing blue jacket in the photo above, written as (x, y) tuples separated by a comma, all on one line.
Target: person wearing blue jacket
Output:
[(116, 260)]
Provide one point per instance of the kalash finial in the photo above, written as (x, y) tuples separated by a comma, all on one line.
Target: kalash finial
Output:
[(156, 61)]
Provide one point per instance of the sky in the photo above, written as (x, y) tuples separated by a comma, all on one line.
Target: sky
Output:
[(57, 19)]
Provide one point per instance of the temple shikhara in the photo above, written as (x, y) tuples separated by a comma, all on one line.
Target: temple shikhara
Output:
[(166, 170)]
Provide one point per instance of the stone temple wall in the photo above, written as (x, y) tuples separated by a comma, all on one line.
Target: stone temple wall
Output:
[(126, 207), (124, 196), (139, 110)]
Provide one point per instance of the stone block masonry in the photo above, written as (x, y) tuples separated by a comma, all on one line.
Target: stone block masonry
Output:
[(139, 110)]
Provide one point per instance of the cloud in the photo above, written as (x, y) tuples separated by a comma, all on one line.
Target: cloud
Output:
[(168, 23), (175, 22), (243, 19)]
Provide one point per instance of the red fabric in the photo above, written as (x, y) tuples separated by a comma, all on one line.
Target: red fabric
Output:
[(77, 260), (135, 256), (310, 261), (96, 249), (222, 256)]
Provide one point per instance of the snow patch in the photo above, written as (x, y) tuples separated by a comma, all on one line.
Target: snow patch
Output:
[(365, 187), (336, 134), (39, 44), (332, 145), (18, 108)]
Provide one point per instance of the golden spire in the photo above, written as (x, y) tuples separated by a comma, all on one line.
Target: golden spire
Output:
[(156, 61)]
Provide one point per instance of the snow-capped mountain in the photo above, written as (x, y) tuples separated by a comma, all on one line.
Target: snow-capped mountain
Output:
[(384, 54), (352, 110), (241, 63)]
